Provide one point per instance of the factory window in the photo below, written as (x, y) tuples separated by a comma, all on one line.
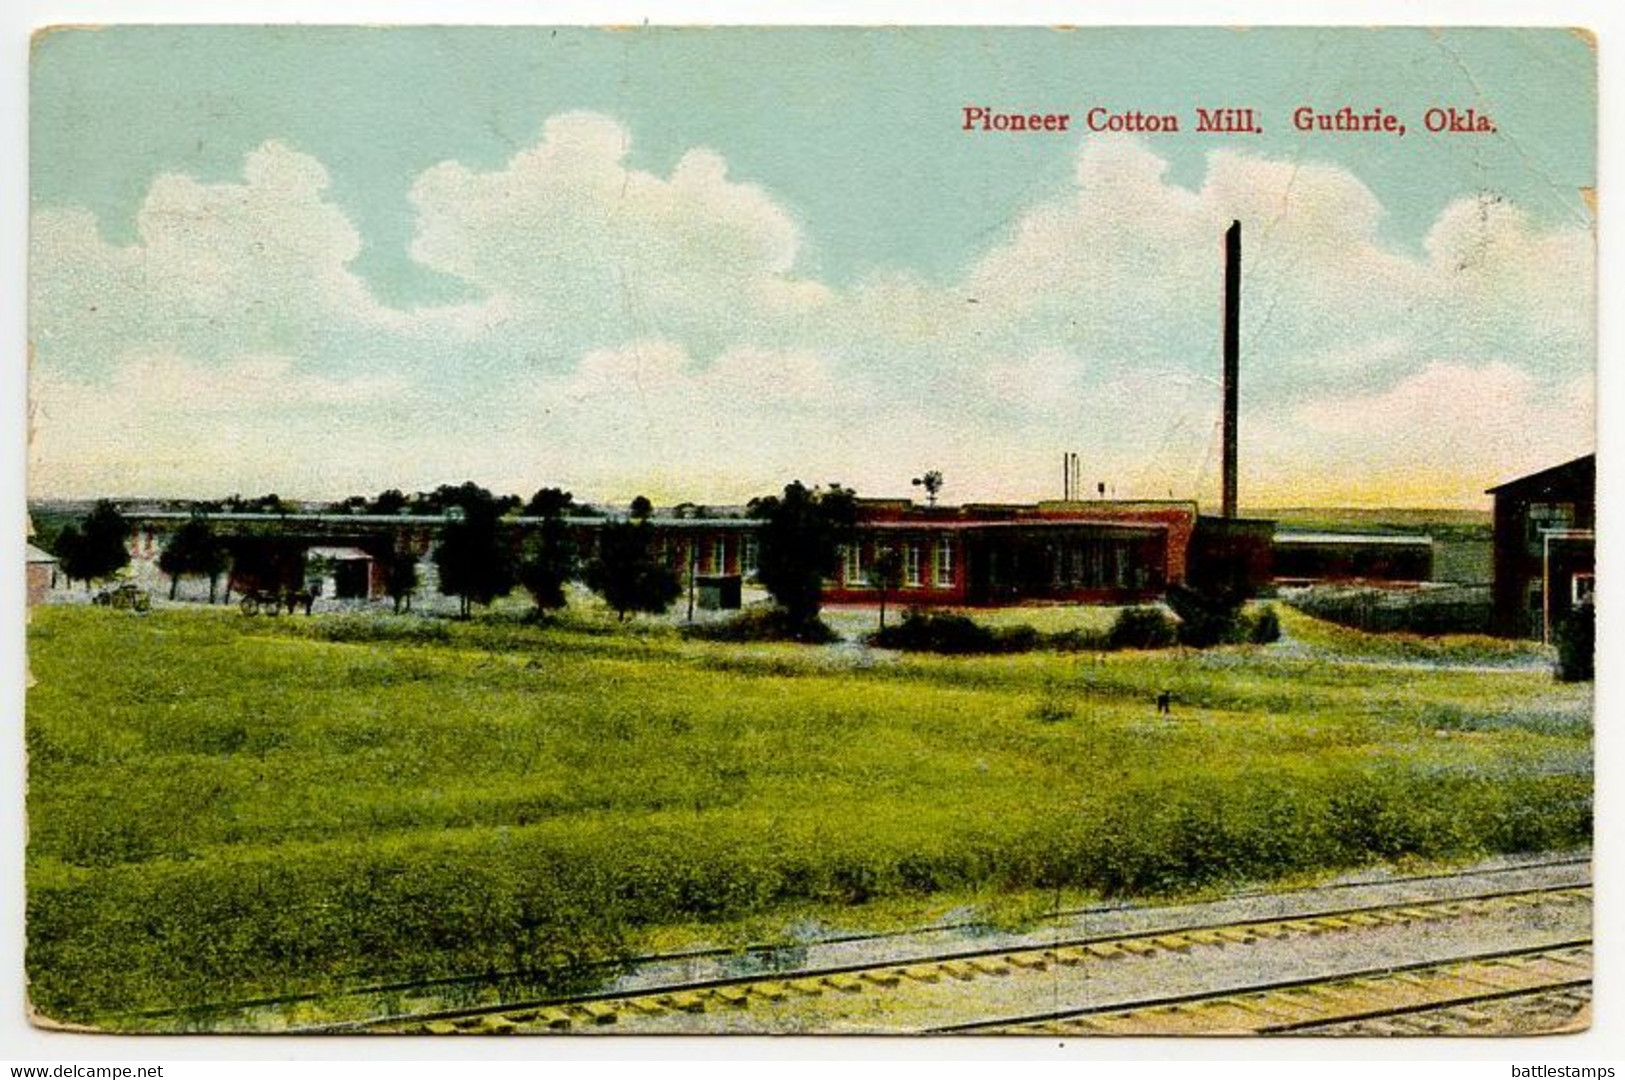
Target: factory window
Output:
[(1582, 589), (719, 556), (747, 556), (852, 556), (945, 564), (1544, 516), (911, 566)]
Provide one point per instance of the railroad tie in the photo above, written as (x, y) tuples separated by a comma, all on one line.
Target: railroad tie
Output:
[(684, 1001), (846, 983), (646, 1006), (1073, 955), (556, 1019), (600, 1012)]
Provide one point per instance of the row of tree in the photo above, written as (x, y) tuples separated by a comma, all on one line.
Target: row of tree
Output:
[(801, 534), (477, 565)]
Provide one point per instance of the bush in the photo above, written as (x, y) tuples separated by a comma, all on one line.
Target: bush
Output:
[(1459, 609), (921, 631), (955, 635), (763, 624), (1577, 645), (1143, 628), (1264, 627), (1078, 640), (1207, 619)]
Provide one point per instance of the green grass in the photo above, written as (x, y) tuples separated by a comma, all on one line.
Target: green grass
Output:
[(1330, 641), (223, 808)]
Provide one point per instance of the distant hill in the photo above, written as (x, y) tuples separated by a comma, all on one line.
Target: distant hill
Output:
[(1441, 524)]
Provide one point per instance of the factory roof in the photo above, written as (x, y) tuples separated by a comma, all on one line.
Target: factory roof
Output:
[(1350, 538)]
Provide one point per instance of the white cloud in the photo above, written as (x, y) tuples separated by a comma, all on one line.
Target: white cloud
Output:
[(1449, 427), (633, 331), (591, 251), (161, 417)]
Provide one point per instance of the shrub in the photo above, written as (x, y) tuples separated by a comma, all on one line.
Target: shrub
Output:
[(1079, 640), (1264, 627), (923, 631), (1143, 628), (956, 635), (764, 624), (1577, 645), (1207, 619)]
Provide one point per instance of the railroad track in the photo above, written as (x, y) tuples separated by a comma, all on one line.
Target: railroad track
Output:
[(1370, 964), (390, 1001), (1447, 997)]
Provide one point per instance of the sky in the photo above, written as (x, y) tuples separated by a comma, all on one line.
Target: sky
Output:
[(697, 264)]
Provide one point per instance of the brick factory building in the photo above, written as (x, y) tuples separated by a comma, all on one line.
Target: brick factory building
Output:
[(1544, 536), (1107, 552)]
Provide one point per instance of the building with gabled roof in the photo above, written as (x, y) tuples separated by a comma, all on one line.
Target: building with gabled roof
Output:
[(1545, 563)]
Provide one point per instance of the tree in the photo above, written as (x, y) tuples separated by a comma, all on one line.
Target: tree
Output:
[(932, 483), (193, 550), (401, 575), (98, 548), (468, 497), (389, 503), (549, 556), (550, 502), (641, 508), (626, 572), (801, 539), (264, 504), (885, 573), (67, 547), (473, 564)]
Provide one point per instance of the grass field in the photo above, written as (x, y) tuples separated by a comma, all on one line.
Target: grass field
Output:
[(223, 808)]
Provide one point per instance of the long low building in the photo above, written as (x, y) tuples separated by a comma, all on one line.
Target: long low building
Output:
[(1102, 551), (1303, 558)]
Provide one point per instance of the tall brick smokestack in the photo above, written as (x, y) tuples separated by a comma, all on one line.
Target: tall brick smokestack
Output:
[(1232, 359)]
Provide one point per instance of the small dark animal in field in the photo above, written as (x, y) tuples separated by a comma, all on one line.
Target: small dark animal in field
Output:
[(1165, 703)]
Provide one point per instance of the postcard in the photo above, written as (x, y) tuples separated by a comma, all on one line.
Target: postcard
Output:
[(1021, 531)]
